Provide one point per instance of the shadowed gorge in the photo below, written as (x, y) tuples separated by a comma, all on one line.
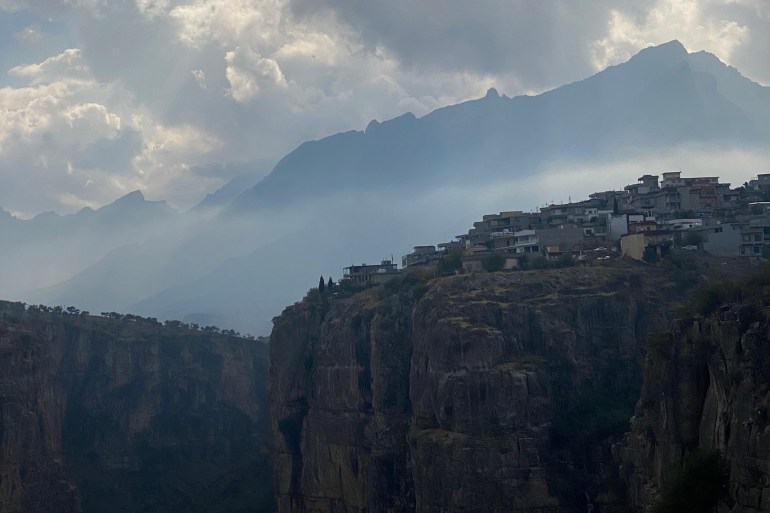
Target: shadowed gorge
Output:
[(104, 414)]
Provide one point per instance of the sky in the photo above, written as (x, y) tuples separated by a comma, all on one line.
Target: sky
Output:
[(102, 97)]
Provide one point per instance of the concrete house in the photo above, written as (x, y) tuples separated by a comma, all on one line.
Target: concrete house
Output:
[(721, 239), (422, 255), (646, 242), (370, 274)]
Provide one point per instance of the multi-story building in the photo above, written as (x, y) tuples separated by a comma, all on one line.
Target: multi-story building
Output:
[(370, 274)]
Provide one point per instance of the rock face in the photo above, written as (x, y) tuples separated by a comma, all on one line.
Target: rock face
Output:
[(106, 415), (455, 396), (705, 387)]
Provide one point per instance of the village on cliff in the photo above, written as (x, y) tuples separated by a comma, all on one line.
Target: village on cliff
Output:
[(644, 221)]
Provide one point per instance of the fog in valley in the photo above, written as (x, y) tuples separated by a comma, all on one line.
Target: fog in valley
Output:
[(237, 269)]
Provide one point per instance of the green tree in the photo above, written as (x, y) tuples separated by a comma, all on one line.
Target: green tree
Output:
[(451, 262), (321, 284), (494, 262)]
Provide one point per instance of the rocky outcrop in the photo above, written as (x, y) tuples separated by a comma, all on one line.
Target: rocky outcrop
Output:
[(455, 395), (705, 388), (125, 415)]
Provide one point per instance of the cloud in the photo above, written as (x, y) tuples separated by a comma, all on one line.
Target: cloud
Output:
[(248, 72), (68, 140), (46, 127), (255, 78), (540, 43), (166, 157), (30, 35), (200, 78), (227, 22), (68, 64), (152, 8)]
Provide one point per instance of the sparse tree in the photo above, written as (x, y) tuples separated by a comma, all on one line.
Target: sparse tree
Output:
[(494, 262)]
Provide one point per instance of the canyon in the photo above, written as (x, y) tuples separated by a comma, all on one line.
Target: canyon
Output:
[(624, 387)]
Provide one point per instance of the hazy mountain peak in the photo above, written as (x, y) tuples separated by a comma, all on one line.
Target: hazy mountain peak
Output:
[(131, 198), (373, 124), (492, 93), (665, 54), (673, 47)]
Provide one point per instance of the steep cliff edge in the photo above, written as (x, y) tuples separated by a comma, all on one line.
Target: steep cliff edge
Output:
[(461, 394), (127, 415), (706, 391)]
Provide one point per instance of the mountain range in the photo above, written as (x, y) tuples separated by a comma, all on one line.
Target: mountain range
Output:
[(237, 259)]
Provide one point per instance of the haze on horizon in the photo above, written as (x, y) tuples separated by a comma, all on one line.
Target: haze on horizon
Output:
[(176, 98)]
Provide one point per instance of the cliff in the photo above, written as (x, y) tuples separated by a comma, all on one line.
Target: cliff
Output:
[(494, 392), (705, 398), (127, 415)]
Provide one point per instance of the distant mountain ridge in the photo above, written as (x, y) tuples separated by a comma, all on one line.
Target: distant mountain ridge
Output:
[(48, 248), (661, 97)]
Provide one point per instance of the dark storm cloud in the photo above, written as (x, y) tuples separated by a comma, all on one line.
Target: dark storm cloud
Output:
[(542, 43)]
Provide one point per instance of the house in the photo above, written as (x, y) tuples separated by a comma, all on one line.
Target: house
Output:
[(422, 255), (512, 221), (644, 244), (648, 225), (370, 274), (645, 184), (752, 240), (721, 239), (475, 259), (568, 236), (683, 224), (617, 224), (671, 179)]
